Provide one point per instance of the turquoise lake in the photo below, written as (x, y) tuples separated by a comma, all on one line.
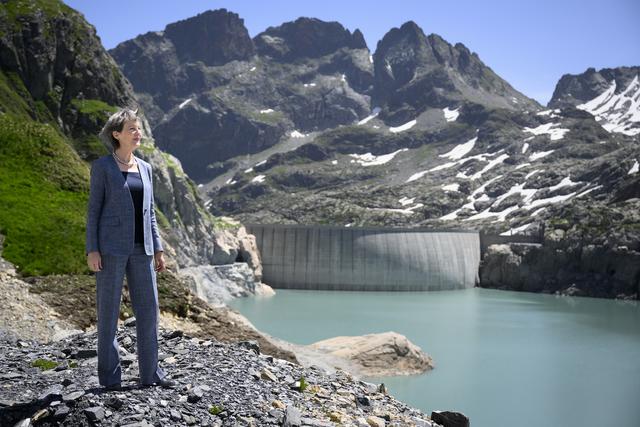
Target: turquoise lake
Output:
[(505, 359)]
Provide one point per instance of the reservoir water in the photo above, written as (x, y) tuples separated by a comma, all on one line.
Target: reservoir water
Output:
[(505, 359)]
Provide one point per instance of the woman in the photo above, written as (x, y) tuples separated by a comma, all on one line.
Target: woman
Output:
[(122, 238)]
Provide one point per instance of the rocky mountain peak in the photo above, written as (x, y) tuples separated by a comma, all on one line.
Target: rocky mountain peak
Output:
[(214, 37), (306, 38), (414, 72), (611, 95)]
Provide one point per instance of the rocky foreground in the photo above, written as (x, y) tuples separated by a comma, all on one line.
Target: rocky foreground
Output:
[(218, 385)]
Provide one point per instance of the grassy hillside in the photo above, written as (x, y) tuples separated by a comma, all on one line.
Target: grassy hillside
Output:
[(43, 194)]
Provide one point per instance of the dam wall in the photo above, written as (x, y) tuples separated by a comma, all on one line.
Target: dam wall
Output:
[(367, 259)]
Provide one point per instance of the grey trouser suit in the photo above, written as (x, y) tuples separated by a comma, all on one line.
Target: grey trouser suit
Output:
[(110, 231)]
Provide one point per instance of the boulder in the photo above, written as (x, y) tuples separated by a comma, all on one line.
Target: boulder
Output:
[(387, 353)]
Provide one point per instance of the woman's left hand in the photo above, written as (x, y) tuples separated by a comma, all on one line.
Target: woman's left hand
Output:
[(158, 257)]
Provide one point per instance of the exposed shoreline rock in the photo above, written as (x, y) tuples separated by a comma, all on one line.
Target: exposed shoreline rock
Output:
[(589, 270), (218, 384), (383, 354)]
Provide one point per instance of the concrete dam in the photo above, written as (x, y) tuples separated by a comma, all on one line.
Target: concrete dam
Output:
[(367, 259)]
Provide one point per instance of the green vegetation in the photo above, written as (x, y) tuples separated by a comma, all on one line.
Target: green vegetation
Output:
[(17, 8), (172, 164), (44, 364), (43, 194), (216, 409), (89, 147), (13, 95), (222, 224), (303, 384), (272, 118), (94, 108), (162, 220)]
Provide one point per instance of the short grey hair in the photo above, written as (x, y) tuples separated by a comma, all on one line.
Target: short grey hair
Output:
[(115, 124)]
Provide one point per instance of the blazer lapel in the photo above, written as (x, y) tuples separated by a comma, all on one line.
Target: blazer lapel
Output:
[(146, 185), (117, 174)]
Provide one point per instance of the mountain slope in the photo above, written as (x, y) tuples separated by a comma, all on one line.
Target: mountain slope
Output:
[(414, 72), (306, 76), (57, 87), (611, 95)]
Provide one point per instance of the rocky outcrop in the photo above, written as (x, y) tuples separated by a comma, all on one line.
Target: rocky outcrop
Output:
[(414, 72), (306, 38), (247, 104), (218, 284), (59, 59), (588, 250), (589, 270), (375, 355), (218, 384), (576, 89), (213, 38), (610, 95), (28, 313)]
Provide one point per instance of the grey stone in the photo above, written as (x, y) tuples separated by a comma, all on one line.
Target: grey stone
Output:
[(85, 353), (292, 417), (450, 419), (74, 395), (195, 394), (95, 413)]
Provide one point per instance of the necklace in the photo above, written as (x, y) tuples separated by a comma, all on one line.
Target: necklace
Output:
[(119, 160)]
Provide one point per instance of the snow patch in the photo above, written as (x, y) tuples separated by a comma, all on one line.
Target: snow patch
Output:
[(493, 163), (634, 168), (181, 106), (516, 230), (617, 113), (374, 114), (525, 147), (260, 163), (547, 129), (259, 178), (267, 111), (451, 187), (296, 134), (406, 201), (334, 162), (248, 170), (461, 150), (523, 165), (450, 115), (403, 127), (540, 154), (566, 182), (369, 159)]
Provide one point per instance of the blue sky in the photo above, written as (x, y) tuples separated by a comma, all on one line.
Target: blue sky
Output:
[(531, 44)]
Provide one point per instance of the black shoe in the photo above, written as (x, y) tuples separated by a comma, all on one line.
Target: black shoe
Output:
[(165, 383), (113, 387)]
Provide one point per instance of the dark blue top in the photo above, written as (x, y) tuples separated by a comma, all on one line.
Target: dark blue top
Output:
[(134, 182)]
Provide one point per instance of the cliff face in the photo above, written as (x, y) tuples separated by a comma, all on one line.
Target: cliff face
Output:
[(414, 72), (55, 71), (611, 95), (301, 76)]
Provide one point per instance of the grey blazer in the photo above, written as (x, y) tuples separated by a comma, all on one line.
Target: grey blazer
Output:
[(110, 216)]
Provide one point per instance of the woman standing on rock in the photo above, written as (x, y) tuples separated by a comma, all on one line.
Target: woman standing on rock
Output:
[(122, 238)]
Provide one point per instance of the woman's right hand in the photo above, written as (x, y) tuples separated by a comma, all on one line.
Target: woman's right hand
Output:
[(94, 261)]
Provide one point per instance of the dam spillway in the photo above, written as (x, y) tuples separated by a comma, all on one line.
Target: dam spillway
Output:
[(367, 259)]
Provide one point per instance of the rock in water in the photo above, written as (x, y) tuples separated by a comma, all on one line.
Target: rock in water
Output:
[(382, 354)]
